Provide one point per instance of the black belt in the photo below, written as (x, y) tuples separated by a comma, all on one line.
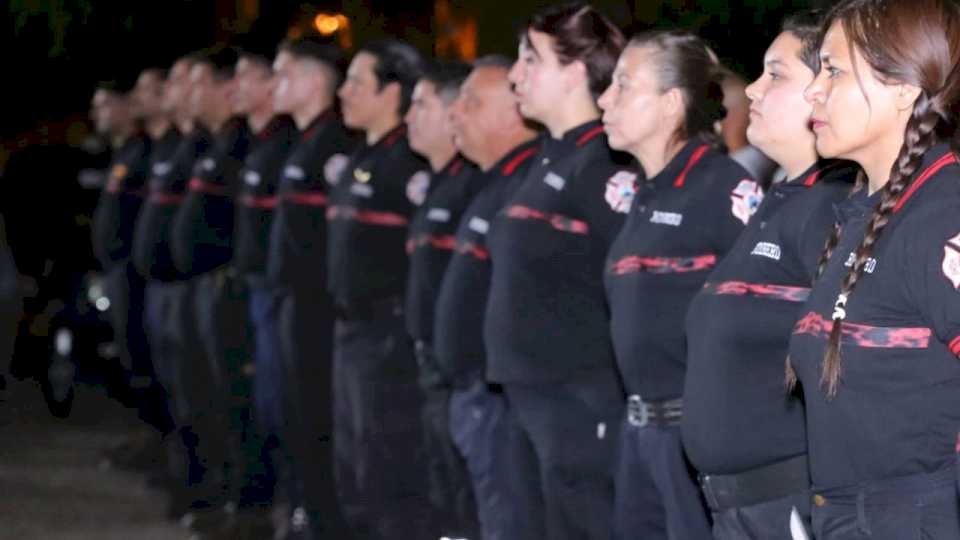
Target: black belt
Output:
[(661, 413), (763, 484)]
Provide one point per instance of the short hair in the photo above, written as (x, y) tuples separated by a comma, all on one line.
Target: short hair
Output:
[(494, 60), (805, 26), (324, 55), (260, 61), (581, 33), (397, 62), (446, 77)]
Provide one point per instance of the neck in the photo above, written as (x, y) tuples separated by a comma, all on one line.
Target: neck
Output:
[(304, 117), (878, 166), (569, 117), (121, 136), (158, 127), (259, 119), (216, 124), (186, 126), (655, 156), (441, 157), (796, 164), (500, 146), (384, 125)]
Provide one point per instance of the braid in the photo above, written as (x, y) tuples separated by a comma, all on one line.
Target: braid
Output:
[(919, 137)]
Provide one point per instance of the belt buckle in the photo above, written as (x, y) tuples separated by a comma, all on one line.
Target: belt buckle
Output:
[(638, 414)]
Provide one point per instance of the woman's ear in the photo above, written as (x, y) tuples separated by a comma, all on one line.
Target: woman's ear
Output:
[(906, 96), (576, 75)]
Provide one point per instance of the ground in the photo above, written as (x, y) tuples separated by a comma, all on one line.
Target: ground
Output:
[(51, 481)]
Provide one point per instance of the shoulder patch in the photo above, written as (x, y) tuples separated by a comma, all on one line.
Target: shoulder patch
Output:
[(334, 167), (252, 178), (417, 187), (479, 225), (951, 261), (555, 181), (621, 187), (745, 199)]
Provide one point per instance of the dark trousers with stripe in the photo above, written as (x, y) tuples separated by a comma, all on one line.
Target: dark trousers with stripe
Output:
[(479, 425), (657, 494), (126, 290), (379, 468), (921, 506), (562, 445), (306, 322)]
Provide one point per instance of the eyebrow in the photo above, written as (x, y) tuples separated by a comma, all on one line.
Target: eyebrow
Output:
[(773, 62)]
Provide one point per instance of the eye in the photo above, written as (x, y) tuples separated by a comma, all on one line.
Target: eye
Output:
[(774, 76), (832, 72)]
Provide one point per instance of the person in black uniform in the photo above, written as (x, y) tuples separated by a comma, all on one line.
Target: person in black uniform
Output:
[(117, 117), (740, 432), (441, 199), (201, 246), (661, 107), (488, 130), (174, 340), (376, 398), (256, 200), (877, 348), (546, 328), (11, 305), (296, 269)]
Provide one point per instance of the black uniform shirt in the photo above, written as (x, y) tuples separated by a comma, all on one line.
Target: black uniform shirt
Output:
[(681, 223), (737, 414), (898, 403), (202, 234), (547, 317), (167, 185), (298, 243), (256, 194), (431, 240), (462, 296), (121, 200), (367, 222)]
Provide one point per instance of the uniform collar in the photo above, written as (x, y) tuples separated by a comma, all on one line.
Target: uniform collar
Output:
[(313, 128), (937, 158), (675, 173), (508, 164), (576, 137), (858, 205)]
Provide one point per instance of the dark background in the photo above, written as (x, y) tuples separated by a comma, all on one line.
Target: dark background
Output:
[(58, 51)]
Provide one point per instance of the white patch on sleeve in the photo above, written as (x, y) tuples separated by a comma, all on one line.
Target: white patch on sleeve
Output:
[(208, 164), (417, 187), (621, 187), (767, 249), (666, 218), (361, 190), (951, 261), (745, 199), (162, 168), (252, 178), (440, 215), (334, 167), (479, 225), (294, 172)]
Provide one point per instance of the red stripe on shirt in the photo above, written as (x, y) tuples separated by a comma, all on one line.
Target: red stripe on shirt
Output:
[(510, 167), (955, 346), (469, 248), (261, 203), (862, 335), (369, 217), (633, 264), (760, 290), (445, 243), (161, 198), (933, 169), (201, 186), (697, 156), (557, 221), (306, 198), (590, 134)]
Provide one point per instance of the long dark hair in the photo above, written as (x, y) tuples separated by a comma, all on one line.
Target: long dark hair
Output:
[(910, 41)]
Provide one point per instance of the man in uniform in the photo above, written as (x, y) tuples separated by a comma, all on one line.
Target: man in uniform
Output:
[(489, 130), (442, 197), (376, 399), (296, 269)]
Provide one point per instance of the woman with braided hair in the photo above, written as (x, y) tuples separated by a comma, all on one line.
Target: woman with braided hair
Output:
[(876, 351)]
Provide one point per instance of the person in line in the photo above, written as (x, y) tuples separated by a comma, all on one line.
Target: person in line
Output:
[(661, 108), (876, 351)]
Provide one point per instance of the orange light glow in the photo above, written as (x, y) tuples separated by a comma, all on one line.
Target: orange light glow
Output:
[(327, 24)]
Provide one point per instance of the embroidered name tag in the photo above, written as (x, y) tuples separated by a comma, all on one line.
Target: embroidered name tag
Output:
[(361, 190), (479, 225), (440, 215), (252, 178), (555, 181), (293, 172), (767, 249), (666, 218)]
